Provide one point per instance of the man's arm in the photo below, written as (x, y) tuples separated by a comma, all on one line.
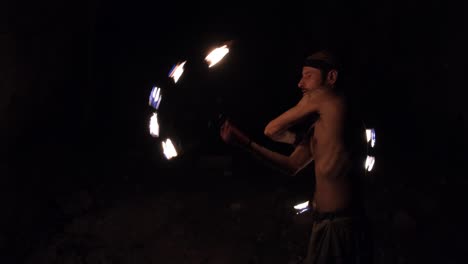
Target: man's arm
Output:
[(277, 129), (291, 165), (287, 137)]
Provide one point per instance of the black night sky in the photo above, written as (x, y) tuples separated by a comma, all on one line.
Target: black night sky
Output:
[(82, 180)]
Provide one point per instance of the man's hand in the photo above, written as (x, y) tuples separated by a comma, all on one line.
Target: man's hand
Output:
[(309, 98), (232, 135), (308, 106)]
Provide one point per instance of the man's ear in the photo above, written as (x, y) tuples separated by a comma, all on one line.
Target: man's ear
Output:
[(332, 76)]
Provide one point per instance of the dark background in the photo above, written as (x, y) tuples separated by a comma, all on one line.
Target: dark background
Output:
[(75, 145)]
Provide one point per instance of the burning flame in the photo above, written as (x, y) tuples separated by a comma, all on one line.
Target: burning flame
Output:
[(370, 161), (216, 55), (301, 206), (169, 149), (177, 71), (154, 125), (155, 97), (370, 136)]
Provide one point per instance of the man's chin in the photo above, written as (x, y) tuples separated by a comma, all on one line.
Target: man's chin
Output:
[(304, 92)]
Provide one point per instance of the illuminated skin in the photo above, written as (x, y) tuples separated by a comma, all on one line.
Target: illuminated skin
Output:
[(332, 162), (325, 146)]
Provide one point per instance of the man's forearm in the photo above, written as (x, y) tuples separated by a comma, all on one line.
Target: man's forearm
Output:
[(282, 123), (272, 159), (287, 137)]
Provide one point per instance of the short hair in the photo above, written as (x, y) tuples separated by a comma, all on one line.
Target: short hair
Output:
[(324, 60), (324, 55)]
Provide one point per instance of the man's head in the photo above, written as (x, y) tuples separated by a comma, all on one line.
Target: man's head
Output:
[(320, 70)]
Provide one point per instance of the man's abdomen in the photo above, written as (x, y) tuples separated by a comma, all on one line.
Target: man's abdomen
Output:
[(332, 195)]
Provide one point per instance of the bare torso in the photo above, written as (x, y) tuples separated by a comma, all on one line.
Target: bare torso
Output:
[(332, 161)]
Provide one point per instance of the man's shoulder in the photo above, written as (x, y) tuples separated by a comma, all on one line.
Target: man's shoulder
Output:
[(332, 98)]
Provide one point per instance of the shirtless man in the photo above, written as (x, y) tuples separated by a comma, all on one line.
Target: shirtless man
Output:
[(337, 232)]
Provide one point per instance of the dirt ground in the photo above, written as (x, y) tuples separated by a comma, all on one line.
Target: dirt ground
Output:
[(182, 227)]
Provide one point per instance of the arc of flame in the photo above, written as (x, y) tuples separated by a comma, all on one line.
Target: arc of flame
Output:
[(302, 206), (154, 125), (216, 55), (169, 149), (177, 71), (370, 161)]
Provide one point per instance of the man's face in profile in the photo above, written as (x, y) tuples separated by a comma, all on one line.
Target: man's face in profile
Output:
[(311, 79)]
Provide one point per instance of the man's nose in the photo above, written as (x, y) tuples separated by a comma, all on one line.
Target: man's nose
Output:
[(300, 84)]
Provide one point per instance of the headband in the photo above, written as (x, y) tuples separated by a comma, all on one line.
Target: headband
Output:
[(320, 64)]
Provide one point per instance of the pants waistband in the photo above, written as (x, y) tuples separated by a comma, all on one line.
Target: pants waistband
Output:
[(320, 216)]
